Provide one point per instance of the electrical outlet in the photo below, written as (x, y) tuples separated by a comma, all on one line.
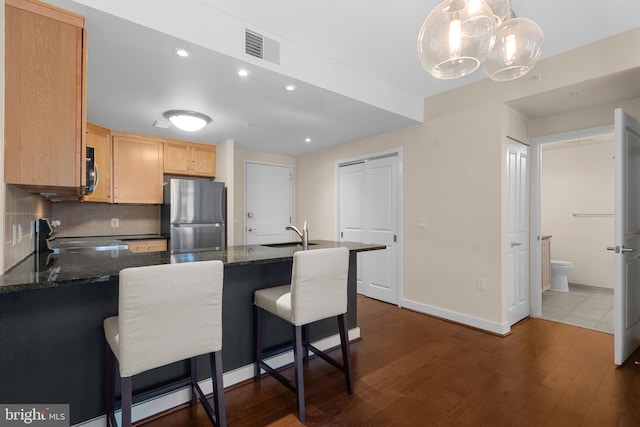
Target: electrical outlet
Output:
[(115, 222), (481, 284), (422, 223)]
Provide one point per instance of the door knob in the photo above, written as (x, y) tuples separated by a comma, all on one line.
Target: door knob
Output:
[(627, 250), (515, 244)]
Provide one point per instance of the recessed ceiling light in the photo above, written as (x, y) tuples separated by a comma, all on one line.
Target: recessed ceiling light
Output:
[(243, 72), (189, 121), (290, 87), (307, 140), (182, 52)]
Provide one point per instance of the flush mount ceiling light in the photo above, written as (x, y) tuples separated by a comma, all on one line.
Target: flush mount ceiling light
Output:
[(458, 36), (290, 87), (243, 72), (189, 121)]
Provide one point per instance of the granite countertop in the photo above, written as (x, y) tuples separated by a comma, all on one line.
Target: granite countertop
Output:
[(46, 270)]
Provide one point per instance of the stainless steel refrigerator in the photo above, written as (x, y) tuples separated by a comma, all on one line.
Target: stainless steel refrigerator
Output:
[(193, 214)]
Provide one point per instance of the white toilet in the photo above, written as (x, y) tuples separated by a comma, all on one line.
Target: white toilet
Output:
[(559, 271)]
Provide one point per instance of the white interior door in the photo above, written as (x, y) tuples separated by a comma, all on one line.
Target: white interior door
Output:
[(626, 303), (517, 230), (267, 207), (369, 213)]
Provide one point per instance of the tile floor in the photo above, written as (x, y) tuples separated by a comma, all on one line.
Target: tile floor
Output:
[(586, 306)]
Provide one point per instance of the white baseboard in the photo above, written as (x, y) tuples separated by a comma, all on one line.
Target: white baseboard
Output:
[(475, 322), (165, 402)]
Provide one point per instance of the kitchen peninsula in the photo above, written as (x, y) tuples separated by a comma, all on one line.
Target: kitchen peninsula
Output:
[(52, 306)]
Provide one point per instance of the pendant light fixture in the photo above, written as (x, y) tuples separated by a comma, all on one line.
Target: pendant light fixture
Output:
[(516, 51), (459, 35), (456, 37), (189, 121)]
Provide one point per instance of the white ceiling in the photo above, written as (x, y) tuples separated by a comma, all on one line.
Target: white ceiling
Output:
[(354, 62)]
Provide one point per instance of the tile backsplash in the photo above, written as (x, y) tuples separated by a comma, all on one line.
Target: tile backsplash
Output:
[(95, 219), (22, 209), (77, 219)]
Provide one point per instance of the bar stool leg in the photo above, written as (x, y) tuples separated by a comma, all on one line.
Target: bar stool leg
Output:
[(305, 343), (193, 368), (218, 389), (126, 391), (299, 366), (110, 389), (257, 329), (346, 354)]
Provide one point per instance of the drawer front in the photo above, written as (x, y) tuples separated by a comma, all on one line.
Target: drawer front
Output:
[(155, 245)]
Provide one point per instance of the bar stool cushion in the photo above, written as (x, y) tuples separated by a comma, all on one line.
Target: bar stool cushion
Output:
[(150, 329)]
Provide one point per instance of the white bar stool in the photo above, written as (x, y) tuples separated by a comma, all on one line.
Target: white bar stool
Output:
[(318, 290), (166, 313)]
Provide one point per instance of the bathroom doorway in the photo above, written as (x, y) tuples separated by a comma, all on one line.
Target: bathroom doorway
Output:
[(576, 216)]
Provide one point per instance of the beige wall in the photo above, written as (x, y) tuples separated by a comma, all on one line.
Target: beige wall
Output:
[(600, 115), (241, 156), (225, 172), (580, 179), (452, 175)]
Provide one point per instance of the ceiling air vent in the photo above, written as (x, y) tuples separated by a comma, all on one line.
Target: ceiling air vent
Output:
[(259, 46)]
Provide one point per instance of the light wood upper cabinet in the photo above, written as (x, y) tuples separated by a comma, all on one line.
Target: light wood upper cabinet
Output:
[(137, 168), (183, 158), (45, 74), (100, 139)]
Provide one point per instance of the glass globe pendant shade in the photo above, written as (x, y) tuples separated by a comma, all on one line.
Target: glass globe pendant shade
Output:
[(189, 121), (456, 37), (516, 51)]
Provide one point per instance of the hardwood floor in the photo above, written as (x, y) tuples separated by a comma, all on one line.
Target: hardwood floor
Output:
[(416, 370)]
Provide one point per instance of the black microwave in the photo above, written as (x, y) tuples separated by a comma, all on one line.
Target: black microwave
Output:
[(91, 171)]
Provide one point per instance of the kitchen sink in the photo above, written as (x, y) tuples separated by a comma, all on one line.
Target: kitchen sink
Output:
[(286, 244)]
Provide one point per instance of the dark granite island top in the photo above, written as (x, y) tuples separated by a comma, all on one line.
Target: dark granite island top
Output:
[(45, 270), (52, 346)]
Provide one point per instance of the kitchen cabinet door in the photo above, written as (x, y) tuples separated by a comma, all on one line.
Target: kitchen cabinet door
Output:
[(203, 160), (45, 71), (137, 168), (189, 159), (100, 139)]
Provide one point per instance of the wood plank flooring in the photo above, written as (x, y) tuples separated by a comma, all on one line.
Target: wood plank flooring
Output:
[(416, 370)]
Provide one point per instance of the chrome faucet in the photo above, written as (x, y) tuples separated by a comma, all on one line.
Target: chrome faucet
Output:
[(304, 235)]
